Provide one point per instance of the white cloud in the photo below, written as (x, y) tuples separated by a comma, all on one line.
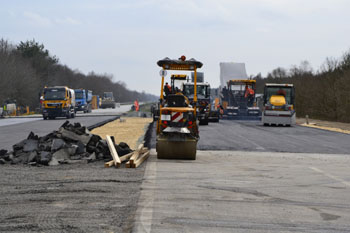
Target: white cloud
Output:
[(67, 20), (37, 19)]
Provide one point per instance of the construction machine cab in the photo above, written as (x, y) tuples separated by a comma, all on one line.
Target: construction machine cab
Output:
[(239, 99), (177, 130), (174, 82), (242, 93), (279, 91)]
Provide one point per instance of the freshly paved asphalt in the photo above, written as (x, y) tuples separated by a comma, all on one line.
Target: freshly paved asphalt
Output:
[(253, 136)]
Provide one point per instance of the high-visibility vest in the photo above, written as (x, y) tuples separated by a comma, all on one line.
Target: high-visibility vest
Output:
[(248, 91), (136, 104)]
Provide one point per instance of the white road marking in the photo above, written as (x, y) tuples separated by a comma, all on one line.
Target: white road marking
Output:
[(331, 176)]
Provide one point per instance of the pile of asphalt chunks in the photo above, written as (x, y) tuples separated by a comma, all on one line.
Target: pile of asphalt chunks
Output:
[(70, 144)]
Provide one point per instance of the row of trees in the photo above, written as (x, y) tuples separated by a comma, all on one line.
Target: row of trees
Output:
[(323, 94), (27, 67)]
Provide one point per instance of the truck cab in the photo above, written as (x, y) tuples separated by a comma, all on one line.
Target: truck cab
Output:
[(58, 101), (203, 96), (83, 100)]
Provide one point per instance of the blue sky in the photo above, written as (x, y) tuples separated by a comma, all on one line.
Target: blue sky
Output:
[(126, 38)]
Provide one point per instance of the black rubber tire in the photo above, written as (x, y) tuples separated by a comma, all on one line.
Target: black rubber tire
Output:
[(45, 117)]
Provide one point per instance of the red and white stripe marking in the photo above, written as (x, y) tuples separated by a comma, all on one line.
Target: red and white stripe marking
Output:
[(177, 116)]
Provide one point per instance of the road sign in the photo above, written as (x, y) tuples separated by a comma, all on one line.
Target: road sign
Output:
[(162, 73)]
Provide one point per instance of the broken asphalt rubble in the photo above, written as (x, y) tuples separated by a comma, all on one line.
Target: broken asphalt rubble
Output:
[(70, 143)]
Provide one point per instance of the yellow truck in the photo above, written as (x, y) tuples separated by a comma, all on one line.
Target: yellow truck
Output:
[(58, 101)]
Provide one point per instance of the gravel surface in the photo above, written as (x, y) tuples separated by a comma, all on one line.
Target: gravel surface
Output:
[(70, 198)]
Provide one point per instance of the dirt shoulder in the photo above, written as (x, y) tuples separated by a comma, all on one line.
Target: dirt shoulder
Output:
[(127, 129), (327, 125)]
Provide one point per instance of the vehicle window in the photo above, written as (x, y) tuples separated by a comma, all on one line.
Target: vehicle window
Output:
[(55, 94), (285, 91)]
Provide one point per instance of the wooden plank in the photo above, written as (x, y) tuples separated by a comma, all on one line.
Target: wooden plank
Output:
[(109, 164), (135, 156), (113, 151), (141, 159), (127, 156), (144, 150)]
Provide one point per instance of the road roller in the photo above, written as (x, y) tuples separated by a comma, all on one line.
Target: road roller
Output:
[(177, 128)]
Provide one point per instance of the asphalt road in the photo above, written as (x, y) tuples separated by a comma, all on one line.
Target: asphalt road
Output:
[(245, 179), (253, 136), (250, 178), (13, 130)]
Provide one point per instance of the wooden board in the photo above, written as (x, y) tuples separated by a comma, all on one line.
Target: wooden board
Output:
[(126, 157), (141, 159), (136, 155), (109, 164), (113, 151)]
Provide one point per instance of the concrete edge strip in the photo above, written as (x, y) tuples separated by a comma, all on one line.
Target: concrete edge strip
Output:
[(99, 124), (327, 128), (144, 213)]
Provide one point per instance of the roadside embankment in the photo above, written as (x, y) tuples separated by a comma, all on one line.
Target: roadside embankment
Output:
[(339, 127)]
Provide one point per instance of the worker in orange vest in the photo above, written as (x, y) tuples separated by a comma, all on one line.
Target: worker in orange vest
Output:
[(136, 104), (248, 92)]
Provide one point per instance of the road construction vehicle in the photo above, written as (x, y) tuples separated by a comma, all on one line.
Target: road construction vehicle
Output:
[(58, 101), (238, 100), (83, 100), (203, 97), (279, 104), (108, 100), (177, 129)]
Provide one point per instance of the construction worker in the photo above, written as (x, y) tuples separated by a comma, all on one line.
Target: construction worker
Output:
[(221, 110), (136, 105), (248, 92), (167, 89), (281, 92)]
